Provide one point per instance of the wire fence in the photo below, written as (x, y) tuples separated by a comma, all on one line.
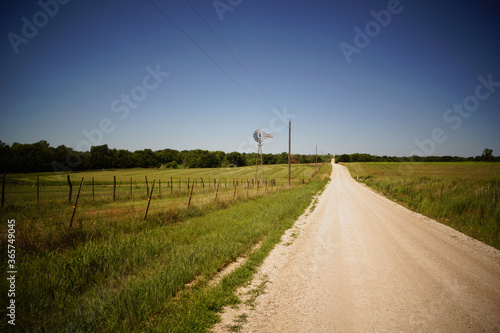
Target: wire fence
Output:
[(25, 192), (49, 203)]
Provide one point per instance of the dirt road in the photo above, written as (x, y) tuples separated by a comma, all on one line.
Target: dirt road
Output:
[(362, 263)]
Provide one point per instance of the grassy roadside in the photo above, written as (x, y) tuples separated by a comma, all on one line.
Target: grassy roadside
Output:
[(133, 281), (45, 226), (463, 195)]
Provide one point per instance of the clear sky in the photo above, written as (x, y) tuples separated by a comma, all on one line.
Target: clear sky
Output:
[(379, 77)]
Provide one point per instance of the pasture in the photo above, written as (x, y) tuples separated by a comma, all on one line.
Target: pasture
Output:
[(462, 195), (52, 185), (111, 195), (114, 270)]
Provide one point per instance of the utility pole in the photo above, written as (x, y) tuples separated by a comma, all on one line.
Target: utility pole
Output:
[(289, 150), (316, 155)]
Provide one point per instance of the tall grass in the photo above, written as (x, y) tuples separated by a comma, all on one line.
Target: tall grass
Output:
[(45, 226), (464, 196), (134, 276)]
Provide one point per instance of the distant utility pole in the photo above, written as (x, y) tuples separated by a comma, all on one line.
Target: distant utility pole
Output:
[(316, 155), (289, 150)]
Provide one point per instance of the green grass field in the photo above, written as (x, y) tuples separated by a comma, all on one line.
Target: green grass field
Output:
[(463, 195), (270, 171), (115, 271), (53, 186), (46, 223)]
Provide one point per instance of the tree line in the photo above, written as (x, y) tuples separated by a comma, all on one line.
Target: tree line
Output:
[(486, 156), (41, 157)]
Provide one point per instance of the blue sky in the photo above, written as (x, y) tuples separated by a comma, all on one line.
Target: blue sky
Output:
[(120, 73)]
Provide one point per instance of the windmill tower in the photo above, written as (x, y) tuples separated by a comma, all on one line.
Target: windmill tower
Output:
[(260, 136)]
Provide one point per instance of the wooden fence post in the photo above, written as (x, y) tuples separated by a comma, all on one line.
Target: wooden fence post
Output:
[(217, 191), (70, 188), (3, 189), (76, 204), (188, 183), (202, 182), (191, 195), (114, 188), (234, 195), (149, 200)]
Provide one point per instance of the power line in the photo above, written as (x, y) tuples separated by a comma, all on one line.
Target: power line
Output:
[(300, 137), (232, 54), (239, 62), (209, 57)]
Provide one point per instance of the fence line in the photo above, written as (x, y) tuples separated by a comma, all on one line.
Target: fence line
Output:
[(149, 199), (52, 195), (76, 204), (70, 188), (102, 190), (45, 191)]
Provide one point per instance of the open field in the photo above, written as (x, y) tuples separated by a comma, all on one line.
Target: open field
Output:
[(45, 225), (115, 271), (463, 195), (270, 171), (22, 187)]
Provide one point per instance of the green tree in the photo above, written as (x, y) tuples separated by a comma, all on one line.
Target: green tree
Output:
[(235, 158), (168, 155), (220, 156), (282, 158), (145, 158), (343, 158), (209, 160), (487, 155), (100, 157), (269, 158), (123, 159), (5, 157)]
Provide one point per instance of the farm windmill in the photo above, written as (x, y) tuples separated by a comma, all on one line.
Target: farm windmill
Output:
[(260, 136)]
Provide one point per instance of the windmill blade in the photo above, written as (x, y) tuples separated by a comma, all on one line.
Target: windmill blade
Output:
[(256, 135), (259, 135)]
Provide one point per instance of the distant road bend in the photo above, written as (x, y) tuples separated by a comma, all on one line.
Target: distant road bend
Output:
[(362, 263)]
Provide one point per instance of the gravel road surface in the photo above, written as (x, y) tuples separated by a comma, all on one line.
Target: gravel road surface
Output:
[(362, 263)]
